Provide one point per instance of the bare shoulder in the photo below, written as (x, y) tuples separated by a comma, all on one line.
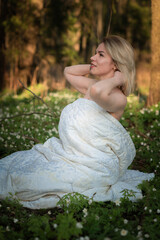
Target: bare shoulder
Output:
[(120, 102), (119, 97)]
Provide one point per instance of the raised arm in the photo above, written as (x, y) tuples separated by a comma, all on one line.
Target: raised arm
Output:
[(75, 75), (108, 95)]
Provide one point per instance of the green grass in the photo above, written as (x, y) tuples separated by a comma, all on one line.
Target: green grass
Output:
[(76, 216)]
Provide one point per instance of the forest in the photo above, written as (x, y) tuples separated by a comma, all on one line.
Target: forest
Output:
[(40, 37)]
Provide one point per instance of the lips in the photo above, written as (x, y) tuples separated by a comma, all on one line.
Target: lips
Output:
[(92, 65)]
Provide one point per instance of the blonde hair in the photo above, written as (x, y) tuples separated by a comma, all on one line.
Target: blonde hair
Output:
[(123, 56)]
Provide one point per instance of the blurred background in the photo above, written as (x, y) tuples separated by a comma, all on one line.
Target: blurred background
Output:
[(38, 38)]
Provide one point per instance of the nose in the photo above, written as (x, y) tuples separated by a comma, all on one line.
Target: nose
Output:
[(93, 57)]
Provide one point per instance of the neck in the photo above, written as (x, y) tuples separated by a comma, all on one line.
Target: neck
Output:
[(109, 75)]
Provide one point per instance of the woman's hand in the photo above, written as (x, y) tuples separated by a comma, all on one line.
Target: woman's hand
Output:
[(107, 94)]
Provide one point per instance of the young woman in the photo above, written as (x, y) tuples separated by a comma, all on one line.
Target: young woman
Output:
[(113, 64), (94, 150)]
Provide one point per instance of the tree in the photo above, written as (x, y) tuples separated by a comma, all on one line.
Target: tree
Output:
[(40, 37), (3, 13), (154, 93), (18, 43)]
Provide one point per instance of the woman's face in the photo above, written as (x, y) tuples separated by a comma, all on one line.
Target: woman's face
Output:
[(102, 64)]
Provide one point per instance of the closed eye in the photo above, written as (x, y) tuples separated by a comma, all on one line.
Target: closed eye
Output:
[(100, 54)]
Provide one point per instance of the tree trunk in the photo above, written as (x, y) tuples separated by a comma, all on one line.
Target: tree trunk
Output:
[(154, 93), (81, 40), (108, 18), (99, 7), (2, 43)]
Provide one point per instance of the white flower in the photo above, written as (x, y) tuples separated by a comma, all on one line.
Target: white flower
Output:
[(117, 202), (15, 220), (68, 201), (150, 210), (85, 212), (90, 201), (36, 238), (0, 205), (55, 225), (146, 235), (7, 228), (155, 219), (81, 238), (157, 112), (139, 234), (116, 229), (79, 225), (49, 212), (139, 227), (125, 221), (145, 208), (107, 238), (158, 210), (124, 232), (154, 189), (86, 238)]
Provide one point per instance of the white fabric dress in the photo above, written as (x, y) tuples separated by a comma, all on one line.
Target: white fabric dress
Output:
[(91, 157)]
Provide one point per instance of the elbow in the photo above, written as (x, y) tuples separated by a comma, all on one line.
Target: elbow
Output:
[(66, 74), (65, 71)]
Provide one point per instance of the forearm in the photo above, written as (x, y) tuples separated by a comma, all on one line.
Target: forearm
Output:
[(77, 70), (75, 75)]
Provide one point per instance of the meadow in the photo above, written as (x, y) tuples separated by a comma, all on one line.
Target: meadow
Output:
[(26, 121)]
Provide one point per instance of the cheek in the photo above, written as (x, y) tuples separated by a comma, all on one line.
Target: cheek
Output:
[(107, 65), (103, 63)]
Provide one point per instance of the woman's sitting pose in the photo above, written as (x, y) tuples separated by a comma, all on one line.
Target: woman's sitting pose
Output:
[(94, 150)]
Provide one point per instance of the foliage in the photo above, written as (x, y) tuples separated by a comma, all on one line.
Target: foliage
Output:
[(133, 20), (19, 19), (76, 216), (67, 31), (59, 25)]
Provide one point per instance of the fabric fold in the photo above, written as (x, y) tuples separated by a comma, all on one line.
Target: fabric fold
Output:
[(90, 157)]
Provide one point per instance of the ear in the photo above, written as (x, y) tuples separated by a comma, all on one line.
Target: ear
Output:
[(115, 68)]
